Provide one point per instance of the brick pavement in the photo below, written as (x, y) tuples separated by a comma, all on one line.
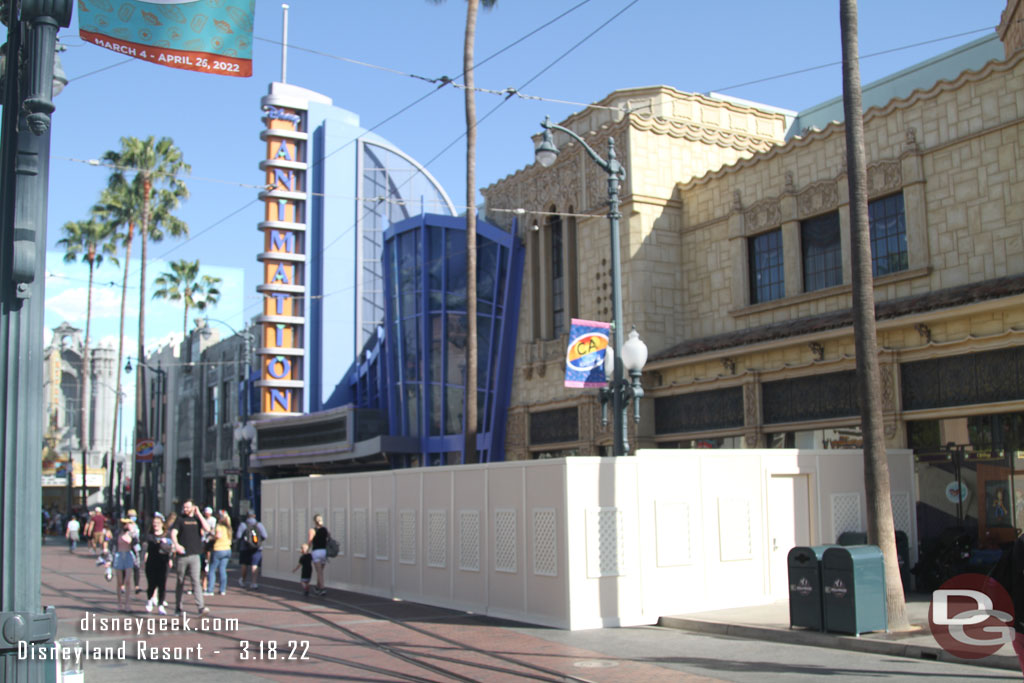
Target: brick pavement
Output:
[(350, 637)]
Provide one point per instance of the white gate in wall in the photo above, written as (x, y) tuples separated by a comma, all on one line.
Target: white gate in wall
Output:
[(581, 542)]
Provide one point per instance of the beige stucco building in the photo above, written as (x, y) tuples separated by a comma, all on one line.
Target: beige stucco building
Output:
[(736, 272)]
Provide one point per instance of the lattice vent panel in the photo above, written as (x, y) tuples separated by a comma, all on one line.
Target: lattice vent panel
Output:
[(505, 559), (545, 546), (360, 535), (407, 536), (437, 538), (382, 536), (469, 540)]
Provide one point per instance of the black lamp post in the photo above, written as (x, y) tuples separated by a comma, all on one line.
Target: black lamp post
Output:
[(28, 88), (139, 492), (634, 355)]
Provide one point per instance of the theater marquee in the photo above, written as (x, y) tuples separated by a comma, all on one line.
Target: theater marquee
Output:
[(284, 246)]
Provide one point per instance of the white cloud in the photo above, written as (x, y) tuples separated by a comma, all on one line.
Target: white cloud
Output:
[(71, 304)]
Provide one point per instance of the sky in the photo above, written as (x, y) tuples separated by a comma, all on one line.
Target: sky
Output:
[(378, 58)]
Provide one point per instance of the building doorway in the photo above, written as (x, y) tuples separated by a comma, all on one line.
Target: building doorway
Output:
[(789, 524)]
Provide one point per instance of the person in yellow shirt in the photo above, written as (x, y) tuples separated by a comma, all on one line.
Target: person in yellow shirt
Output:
[(222, 536)]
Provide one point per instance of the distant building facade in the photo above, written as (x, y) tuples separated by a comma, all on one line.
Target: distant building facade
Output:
[(75, 429)]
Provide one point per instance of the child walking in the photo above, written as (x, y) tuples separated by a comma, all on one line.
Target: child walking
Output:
[(306, 564)]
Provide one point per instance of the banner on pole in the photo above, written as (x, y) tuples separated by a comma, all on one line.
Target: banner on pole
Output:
[(144, 450), (195, 35), (584, 359)]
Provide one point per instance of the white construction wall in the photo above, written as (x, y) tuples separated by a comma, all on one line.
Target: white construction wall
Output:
[(582, 542)]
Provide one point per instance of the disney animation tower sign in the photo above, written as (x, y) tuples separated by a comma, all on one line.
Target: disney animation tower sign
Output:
[(283, 257)]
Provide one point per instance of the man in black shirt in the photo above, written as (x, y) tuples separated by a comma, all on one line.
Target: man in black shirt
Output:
[(187, 541)]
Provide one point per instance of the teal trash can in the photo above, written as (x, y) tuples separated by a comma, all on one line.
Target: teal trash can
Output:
[(805, 596), (853, 579)]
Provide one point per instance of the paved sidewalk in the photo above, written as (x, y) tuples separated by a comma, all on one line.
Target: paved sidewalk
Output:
[(771, 622)]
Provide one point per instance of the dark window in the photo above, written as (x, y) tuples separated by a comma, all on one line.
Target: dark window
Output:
[(822, 252), (698, 411), (554, 426), (212, 406), (557, 277), (225, 405), (888, 235), (766, 272), (814, 397), (968, 379)]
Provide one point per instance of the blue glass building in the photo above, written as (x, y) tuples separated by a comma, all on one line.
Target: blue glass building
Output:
[(426, 334), (381, 304)]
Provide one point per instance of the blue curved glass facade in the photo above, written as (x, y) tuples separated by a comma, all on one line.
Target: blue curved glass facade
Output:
[(426, 332)]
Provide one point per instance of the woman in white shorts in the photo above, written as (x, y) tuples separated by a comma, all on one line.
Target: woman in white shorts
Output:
[(124, 563), (318, 536)]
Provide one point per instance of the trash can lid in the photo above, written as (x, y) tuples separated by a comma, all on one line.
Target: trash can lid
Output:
[(800, 556), (845, 557)]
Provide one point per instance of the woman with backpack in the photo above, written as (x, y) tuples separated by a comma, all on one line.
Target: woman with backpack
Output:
[(318, 536)]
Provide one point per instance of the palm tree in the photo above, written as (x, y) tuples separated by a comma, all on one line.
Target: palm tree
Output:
[(183, 283), (120, 205), (154, 162), (471, 417), (90, 241), (881, 530)]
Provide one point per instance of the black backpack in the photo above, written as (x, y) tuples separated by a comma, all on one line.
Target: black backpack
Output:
[(252, 540)]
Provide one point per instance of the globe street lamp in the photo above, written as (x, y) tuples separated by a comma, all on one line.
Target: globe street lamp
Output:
[(619, 391)]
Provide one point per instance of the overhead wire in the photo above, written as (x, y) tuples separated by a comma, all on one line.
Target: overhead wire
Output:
[(506, 93), (386, 120)]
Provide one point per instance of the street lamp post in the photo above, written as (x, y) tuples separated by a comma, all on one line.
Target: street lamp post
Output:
[(112, 456), (28, 88), (619, 390), (138, 487)]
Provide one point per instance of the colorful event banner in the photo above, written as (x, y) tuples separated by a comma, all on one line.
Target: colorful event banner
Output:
[(584, 360), (211, 36)]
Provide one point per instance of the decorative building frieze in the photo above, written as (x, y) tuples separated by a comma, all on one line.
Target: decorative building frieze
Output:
[(884, 177), (762, 215), (817, 198)]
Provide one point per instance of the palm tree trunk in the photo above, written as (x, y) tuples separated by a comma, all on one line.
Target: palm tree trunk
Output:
[(140, 379), (881, 530), (471, 345), (120, 340), (86, 374), (184, 323)]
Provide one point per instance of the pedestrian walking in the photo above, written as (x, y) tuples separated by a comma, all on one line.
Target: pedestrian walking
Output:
[(306, 565), (158, 562), (204, 562), (251, 536), (124, 562), (187, 536), (71, 533), (136, 549), (220, 554), (106, 554), (94, 529), (317, 540)]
